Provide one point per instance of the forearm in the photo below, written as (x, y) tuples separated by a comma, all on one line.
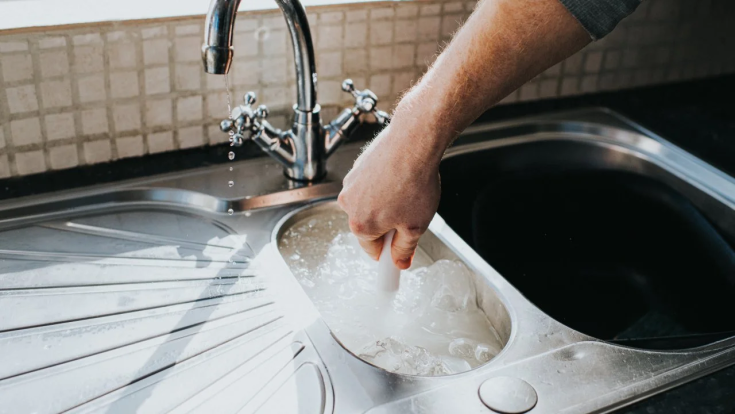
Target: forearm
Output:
[(502, 45)]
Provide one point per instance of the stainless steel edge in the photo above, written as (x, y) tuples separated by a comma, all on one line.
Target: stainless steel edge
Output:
[(224, 290)]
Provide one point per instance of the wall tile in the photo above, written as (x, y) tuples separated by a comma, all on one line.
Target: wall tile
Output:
[(356, 61), (122, 56), (63, 157), (54, 63), (274, 71), (274, 42), (96, 152), (56, 94), (356, 36), (155, 51), (157, 80), (153, 32), (382, 13), (13, 46), (17, 67), (25, 131), (92, 88), (60, 126), (189, 109), (87, 39), (528, 92), (406, 30), (4, 166), (380, 84), (569, 86), (593, 62), (356, 15), (88, 59), (381, 33), (22, 99), (430, 9), (158, 112), (403, 56), (329, 64), (188, 77), (330, 37), (429, 28), (191, 137), (94, 121), (548, 88), (126, 117), (160, 142), (124, 84), (31, 162), (130, 146), (407, 10), (52, 42), (381, 58)]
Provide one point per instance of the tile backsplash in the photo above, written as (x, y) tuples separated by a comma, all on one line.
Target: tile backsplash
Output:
[(91, 94)]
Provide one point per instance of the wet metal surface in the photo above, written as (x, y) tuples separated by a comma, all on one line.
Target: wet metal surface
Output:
[(147, 296)]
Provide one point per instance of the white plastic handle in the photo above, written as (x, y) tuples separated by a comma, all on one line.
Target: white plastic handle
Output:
[(388, 274)]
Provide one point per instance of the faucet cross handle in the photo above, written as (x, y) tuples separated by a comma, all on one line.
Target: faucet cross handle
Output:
[(366, 101), (244, 119)]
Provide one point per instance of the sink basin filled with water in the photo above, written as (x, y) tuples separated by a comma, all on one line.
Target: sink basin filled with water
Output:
[(442, 320)]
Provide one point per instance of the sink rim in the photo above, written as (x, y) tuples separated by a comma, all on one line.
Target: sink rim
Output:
[(330, 205)]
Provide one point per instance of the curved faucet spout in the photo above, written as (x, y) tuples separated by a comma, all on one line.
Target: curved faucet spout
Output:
[(217, 50)]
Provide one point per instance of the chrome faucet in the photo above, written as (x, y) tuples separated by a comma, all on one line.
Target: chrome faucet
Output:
[(304, 149)]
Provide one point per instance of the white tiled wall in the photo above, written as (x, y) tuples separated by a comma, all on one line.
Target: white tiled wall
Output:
[(92, 94)]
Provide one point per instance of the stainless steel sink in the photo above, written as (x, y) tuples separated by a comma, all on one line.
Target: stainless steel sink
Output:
[(147, 296)]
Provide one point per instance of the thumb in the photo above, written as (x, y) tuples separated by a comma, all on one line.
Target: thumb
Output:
[(403, 248), (372, 247)]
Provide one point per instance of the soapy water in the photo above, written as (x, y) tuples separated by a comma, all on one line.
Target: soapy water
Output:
[(430, 326)]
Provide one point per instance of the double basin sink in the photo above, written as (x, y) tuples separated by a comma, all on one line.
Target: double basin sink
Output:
[(602, 255)]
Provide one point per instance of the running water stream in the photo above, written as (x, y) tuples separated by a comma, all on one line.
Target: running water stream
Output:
[(430, 326), (231, 154)]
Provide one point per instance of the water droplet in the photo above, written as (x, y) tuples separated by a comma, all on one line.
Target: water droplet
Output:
[(248, 214), (230, 211), (231, 155), (231, 183), (230, 168)]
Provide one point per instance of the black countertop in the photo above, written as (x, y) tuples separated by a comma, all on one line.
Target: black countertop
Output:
[(698, 116)]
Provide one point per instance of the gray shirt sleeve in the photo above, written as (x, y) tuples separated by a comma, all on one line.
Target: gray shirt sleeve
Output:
[(599, 17)]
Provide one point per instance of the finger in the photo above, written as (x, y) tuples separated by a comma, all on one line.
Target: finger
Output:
[(404, 247), (371, 247)]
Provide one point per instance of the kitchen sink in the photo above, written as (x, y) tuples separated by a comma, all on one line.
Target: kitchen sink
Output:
[(602, 254), (602, 239)]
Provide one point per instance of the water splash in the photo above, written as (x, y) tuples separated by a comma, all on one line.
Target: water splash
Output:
[(430, 326)]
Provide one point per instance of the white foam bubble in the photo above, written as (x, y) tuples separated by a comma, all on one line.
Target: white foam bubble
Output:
[(430, 326)]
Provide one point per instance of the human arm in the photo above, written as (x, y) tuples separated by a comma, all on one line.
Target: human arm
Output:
[(395, 184)]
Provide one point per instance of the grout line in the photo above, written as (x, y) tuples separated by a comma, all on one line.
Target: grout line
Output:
[(111, 128), (141, 84), (37, 81)]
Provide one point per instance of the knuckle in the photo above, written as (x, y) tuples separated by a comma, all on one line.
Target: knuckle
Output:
[(357, 226), (413, 233)]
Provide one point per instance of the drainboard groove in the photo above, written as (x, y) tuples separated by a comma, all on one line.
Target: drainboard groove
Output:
[(145, 261), (129, 235), (248, 292), (176, 329)]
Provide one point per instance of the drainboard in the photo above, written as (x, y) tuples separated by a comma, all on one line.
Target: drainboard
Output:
[(147, 296)]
